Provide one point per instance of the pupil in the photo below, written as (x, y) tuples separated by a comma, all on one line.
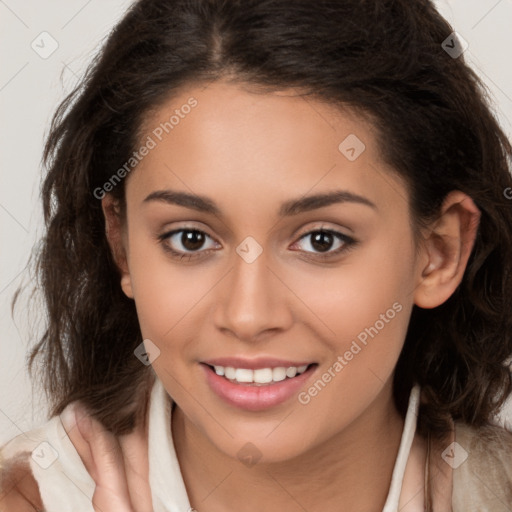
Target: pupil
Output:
[(322, 241), (192, 240)]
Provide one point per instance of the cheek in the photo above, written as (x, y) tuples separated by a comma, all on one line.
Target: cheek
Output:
[(165, 292), (367, 300), (363, 308)]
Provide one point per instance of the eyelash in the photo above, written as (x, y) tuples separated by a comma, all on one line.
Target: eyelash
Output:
[(348, 243)]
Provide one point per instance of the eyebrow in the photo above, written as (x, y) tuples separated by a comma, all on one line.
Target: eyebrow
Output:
[(288, 208)]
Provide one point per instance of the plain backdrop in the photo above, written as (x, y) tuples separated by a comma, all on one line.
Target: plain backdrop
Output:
[(33, 82)]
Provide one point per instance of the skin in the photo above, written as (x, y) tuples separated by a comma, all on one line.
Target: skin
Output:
[(249, 153)]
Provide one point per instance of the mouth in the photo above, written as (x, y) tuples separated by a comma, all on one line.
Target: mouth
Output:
[(257, 389), (260, 376)]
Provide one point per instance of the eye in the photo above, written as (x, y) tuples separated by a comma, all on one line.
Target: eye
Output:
[(185, 243), (189, 243), (325, 243)]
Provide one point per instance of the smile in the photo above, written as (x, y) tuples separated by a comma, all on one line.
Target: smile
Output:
[(259, 376), (257, 389)]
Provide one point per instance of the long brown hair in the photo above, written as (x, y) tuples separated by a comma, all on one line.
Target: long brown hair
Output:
[(384, 58)]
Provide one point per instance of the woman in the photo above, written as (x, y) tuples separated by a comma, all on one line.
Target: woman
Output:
[(277, 268)]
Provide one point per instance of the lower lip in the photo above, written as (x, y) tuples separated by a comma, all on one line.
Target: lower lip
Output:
[(252, 397)]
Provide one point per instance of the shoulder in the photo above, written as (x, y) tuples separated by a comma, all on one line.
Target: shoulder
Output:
[(19, 491), (489, 443), (19, 486), (481, 459)]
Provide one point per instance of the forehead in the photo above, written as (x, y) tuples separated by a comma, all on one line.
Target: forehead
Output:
[(207, 138), (220, 113)]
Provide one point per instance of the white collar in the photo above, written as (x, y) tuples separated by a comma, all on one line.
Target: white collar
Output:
[(166, 481), (167, 486), (404, 450)]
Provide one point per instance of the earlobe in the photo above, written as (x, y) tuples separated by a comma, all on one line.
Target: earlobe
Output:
[(446, 250), (114, 231)]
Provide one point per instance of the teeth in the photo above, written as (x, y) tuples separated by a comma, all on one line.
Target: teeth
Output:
[(243, 375), (278, 374), (229, 373), (291, 372), (261, 375)]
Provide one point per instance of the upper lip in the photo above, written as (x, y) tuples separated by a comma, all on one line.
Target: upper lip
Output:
[(254, 364)]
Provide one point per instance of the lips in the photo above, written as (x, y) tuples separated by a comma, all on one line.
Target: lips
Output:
[(253, 396)]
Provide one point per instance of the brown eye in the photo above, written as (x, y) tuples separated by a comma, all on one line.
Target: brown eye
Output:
[(192, 240), (326, 243), (321, 241), (186, 243)]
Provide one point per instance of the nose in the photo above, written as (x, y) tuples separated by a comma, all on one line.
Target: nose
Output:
[(253, 302)]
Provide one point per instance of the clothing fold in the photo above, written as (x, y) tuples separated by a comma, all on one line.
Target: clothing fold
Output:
[(65, 484)]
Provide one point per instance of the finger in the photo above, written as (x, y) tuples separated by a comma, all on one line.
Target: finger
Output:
[(68, 419), (135, 453), (134, 447), (105, 465)]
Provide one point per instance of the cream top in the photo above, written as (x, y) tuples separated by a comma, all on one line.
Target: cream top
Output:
[(65, 484)]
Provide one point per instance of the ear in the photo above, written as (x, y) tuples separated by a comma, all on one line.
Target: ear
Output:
[(446, 250), (115, 231)]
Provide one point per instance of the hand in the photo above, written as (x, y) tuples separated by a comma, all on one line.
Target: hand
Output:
[(118, 465)]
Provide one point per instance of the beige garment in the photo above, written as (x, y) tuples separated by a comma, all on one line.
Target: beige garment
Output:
[(470, 471), (483, 480), (65, 485)]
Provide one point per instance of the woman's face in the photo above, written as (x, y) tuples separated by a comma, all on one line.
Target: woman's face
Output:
[(247, 182)]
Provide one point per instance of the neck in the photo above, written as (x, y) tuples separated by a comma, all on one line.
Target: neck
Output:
[(334, 475)]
